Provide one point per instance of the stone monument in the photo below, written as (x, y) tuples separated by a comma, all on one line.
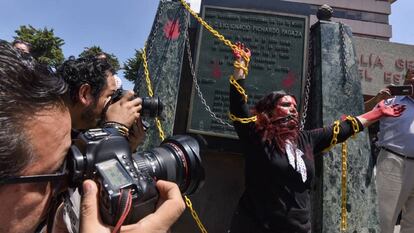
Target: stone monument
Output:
[(336, 90)]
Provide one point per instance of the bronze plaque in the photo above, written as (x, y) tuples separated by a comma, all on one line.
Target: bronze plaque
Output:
[(278, 43)]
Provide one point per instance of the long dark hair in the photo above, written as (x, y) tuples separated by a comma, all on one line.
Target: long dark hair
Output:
[(273, 131)]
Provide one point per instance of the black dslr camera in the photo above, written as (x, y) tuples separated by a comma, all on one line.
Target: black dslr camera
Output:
[(105, 156), (151, 106)]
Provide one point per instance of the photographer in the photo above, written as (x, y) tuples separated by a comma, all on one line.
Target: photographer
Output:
[(91, 82), (395, 163), (34, 140)]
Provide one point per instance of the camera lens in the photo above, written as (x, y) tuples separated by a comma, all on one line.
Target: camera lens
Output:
[(177, 159), (151, 106)]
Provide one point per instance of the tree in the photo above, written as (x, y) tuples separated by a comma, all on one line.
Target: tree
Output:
[(45, 46), (96, 50), (132, 65)]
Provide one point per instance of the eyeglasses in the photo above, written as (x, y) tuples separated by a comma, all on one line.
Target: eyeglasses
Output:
[(61, 175)]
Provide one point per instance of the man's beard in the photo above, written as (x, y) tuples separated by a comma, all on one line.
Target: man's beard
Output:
[(89, 117)]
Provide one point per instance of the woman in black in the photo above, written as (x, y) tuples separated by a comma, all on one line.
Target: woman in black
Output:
[(279, 165)]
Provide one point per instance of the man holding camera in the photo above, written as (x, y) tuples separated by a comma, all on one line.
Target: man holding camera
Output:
[(91, 83), (35, 135), (395, 162)]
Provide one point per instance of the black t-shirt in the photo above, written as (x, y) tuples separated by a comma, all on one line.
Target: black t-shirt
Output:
[(275, 195)]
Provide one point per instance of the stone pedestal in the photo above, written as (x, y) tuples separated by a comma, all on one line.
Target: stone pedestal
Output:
[(332, 95), (165, 50)]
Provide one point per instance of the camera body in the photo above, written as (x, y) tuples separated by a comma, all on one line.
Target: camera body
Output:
[(126, 180), (105, 157)]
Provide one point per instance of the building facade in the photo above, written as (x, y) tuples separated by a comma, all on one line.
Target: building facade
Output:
[(367, 18)]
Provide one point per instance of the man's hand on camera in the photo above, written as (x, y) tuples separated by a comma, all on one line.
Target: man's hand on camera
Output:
[(126, 110), (136, 135), (169, 208)]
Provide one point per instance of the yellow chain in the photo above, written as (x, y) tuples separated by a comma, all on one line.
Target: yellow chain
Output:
[(150, 92), (334, 139), (355, 128), (234, 118), (344, 224), (161, 132), (162, 136), (344, 169), (239, 88), (239, 65), (194, 214), (355, 125), (215, 32), (242, 120), (146, 72)]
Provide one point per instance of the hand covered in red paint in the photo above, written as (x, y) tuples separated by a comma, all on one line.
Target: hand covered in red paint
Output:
[(242, 57), (241, 52), (382, 110)]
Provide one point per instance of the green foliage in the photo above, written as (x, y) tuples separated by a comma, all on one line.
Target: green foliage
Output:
[(132, 65), (96, 50), (46, 47)]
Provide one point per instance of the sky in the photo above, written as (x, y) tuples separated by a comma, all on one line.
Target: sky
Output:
[(120, 27)]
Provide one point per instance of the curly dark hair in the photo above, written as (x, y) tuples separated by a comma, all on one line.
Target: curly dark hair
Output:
[(273, 132), (89, 70), (25, 88)]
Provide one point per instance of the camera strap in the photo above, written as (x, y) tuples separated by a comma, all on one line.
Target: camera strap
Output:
[(124, 206)]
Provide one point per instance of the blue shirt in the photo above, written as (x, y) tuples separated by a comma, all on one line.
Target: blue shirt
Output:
[(397, 133)]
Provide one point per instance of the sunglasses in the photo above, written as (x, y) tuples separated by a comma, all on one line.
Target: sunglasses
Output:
[(60, 175)]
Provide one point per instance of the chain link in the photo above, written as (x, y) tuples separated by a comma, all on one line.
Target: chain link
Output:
[(344, 171), (197, 87), (194, 214), (344, 159), (155, 31), (150, 92), (239, 88), (334, 139), (242, 120), (146, 72), (215, 32), (151, 41), (347, 87), (239, 65), (308, 81), (355, 125), (157, 120)]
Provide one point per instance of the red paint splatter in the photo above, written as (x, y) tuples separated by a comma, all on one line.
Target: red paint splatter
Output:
[(172, 29), (216, 71), (289, 80)]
